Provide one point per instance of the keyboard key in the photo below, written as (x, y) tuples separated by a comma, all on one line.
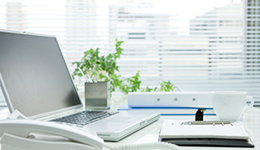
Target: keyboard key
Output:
[(85, 117)]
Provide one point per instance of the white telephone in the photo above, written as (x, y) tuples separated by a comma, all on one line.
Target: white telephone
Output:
[(20, 133), (15, 135)]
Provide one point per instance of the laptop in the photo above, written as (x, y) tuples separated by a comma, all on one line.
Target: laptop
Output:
[(35, 80)]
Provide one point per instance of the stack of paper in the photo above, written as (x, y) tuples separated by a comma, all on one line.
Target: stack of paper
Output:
[(205, 135)]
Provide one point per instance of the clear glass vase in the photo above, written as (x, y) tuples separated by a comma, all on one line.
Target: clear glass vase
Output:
[(117, 100)]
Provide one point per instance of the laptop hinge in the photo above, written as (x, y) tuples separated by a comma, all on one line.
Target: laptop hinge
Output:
[(61, 114)]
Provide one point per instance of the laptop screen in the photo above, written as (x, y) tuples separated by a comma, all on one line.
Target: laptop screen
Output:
[(35, 74)]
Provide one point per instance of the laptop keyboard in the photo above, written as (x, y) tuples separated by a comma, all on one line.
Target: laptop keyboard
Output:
[(85, 117)]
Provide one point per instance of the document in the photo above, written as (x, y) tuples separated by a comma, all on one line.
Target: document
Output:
[(205, 135)]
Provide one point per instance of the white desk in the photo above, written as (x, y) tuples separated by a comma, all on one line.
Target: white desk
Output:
[(251, 121)]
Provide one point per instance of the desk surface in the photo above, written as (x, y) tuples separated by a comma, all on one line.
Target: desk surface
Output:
[(251, 120)]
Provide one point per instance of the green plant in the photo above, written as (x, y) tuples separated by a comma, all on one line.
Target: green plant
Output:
[(164, 87), (133, 84), (92, 61), (167, 86)]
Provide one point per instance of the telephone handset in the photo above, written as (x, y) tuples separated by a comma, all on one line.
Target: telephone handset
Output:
[(15, 134), (19, 134)]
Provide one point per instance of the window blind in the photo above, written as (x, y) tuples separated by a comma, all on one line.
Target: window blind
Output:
[(252, 44), (202, 46)]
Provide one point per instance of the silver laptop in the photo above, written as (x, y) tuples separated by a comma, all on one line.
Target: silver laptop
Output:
[(35, 80)]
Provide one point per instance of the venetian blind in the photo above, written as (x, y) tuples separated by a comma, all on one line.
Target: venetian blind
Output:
[(198, 45)]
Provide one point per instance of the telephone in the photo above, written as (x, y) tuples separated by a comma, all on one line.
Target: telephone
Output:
[(22, 134), (17, 134)]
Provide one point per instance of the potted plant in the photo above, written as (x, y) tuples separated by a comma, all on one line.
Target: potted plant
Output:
[(105, 68)]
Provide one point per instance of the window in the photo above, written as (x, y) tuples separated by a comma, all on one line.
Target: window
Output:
[(198, 45)]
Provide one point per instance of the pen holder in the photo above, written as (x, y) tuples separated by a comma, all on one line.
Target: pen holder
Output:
[(97, 95)]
